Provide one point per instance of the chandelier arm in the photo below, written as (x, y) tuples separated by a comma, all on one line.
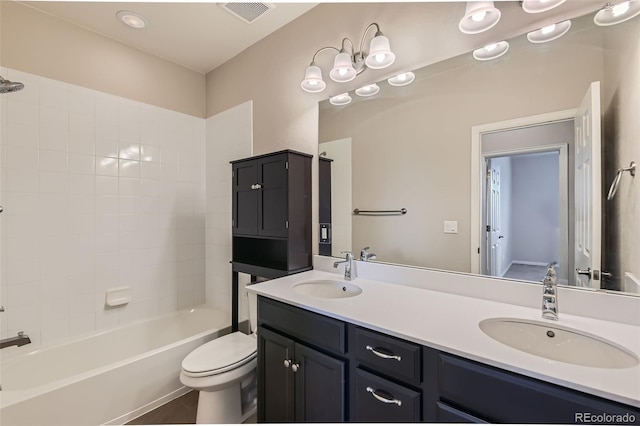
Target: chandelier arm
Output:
[(313, 61), (365, 34), (353, 48)]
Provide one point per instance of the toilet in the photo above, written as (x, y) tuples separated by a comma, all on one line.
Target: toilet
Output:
[(224, 372)]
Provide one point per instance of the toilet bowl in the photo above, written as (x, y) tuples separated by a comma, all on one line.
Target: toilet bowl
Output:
[(224, 372)]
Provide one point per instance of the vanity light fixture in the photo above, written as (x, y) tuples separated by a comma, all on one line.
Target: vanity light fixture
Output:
[(612, 14), (349, 63), (342, 99), (368, 90), (479, 16), (402, 79), (549, 33), (491, 51), (537, 6), (131, 19)]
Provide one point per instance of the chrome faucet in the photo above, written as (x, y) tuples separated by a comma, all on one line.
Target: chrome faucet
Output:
[(348, 265), (365, 256), (549, 293), (20, 340)]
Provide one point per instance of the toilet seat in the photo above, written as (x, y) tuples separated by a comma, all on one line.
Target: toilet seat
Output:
[(220, 355)]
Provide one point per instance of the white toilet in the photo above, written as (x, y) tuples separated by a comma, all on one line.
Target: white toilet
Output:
[(224, 371)]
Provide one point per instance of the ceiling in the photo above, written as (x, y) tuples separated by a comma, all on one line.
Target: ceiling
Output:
[(200, 36)]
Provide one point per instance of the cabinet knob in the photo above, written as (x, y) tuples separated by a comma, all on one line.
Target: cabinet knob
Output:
[(257, 186), (295, 367), (287, 363)]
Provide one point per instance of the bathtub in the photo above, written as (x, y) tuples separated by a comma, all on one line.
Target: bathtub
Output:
[(107, 378)]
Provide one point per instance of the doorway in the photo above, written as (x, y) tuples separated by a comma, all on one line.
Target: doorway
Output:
[(522, 212), (526, 152)]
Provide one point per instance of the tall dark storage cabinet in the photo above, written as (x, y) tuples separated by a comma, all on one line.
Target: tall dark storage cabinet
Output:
[(271, 212)]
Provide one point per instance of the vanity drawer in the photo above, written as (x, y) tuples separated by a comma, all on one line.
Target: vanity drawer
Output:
[(388, 355), (503, 397), (306, 326), (380, 400), (447, 414)]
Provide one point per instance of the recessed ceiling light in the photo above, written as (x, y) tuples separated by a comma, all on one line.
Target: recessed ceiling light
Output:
[(342, 99), (491, 51), (613, 14), (550, 32), (131, 19), (402, 79), (368, 90)]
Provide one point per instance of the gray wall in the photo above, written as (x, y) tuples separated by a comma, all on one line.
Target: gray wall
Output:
[(535, 208), (621, 93)]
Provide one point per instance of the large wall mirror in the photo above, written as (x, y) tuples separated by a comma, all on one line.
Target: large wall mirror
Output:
[(479, 166)]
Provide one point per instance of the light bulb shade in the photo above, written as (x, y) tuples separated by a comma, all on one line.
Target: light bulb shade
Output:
[(313, 82), (342, 99), (616, 13), (380, 54), (402, 79), (479, 16), (368, 90), (343, 70), (537, 6), (491, 51), (549, 33)]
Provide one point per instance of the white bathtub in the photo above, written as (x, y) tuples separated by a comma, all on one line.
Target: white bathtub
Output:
[(108, 378)]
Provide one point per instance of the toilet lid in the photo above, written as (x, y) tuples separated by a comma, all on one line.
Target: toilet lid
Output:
[(221, 354)]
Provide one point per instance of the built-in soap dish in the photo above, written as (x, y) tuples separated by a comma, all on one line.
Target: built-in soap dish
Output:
[(118, 296)]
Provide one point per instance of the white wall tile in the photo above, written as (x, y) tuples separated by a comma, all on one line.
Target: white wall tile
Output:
[(93, 196)]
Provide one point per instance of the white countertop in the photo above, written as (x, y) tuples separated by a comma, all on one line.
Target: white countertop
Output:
[(449, 322)]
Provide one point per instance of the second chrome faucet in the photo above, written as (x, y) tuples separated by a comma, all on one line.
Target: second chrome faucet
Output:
[(550, 293)]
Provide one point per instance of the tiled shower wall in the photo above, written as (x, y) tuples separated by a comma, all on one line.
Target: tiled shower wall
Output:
[(98, 192)]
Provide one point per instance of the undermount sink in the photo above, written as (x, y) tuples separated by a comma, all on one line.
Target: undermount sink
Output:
[(558, 343), (327, 289)]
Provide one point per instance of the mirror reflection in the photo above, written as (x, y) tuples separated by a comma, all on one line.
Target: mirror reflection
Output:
[(503, 166)]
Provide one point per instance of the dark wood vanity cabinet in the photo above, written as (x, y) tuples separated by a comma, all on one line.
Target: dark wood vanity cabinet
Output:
[(386, 378), (468, 391), (349, 373), (271, 210), (301, 366)]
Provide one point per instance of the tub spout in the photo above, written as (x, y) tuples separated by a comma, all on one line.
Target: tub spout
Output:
[(20, 340)]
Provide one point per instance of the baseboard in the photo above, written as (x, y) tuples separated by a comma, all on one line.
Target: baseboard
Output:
[(149, 407), (526, 262), (506, 269)]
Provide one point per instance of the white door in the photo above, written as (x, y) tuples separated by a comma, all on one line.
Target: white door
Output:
[(494, 252), (588, 190)]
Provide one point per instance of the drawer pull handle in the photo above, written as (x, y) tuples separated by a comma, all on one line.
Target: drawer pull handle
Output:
[(382, 354), (382, 398)]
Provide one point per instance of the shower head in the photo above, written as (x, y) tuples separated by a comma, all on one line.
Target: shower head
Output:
[(7, 86)]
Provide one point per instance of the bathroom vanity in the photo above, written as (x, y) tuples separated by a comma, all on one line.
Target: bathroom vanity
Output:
[(326, 359)]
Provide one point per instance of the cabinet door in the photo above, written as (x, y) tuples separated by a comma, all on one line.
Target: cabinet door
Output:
[(275, 380), (273, 203), (245, 198), (320, 387)]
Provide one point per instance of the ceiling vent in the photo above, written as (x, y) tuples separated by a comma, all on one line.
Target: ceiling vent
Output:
[(248, 12)]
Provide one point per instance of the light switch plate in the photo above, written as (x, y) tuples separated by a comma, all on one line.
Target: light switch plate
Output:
[(450, 226)]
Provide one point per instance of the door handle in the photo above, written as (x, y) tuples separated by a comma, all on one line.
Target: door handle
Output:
[(501, 236), (586, 272)]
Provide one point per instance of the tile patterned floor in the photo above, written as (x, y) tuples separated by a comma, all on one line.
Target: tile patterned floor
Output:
[(181, 410)]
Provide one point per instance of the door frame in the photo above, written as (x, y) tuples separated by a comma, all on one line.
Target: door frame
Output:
[(478, 161)]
